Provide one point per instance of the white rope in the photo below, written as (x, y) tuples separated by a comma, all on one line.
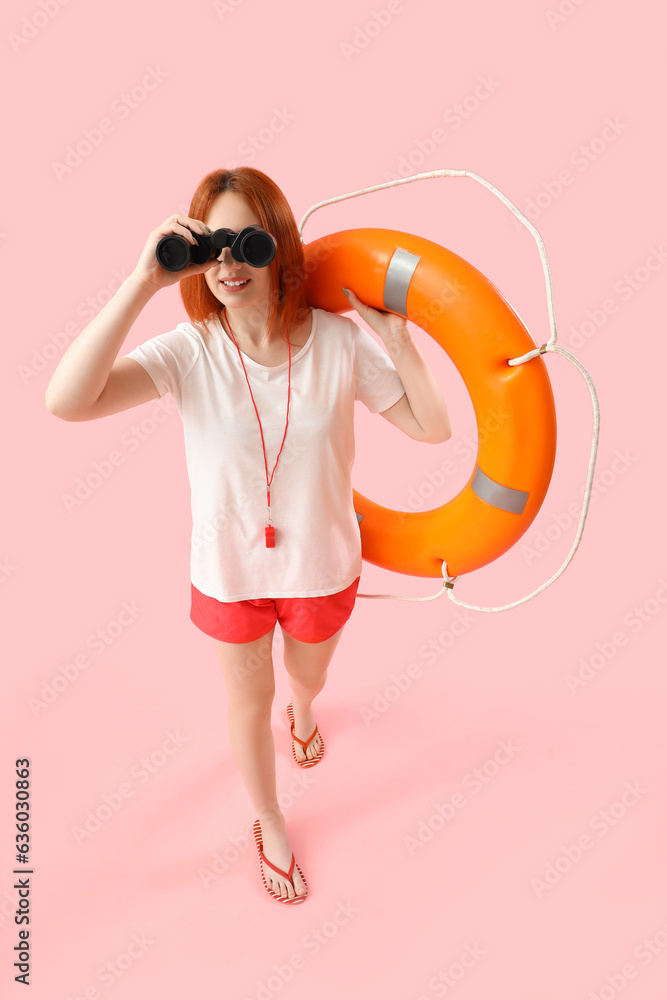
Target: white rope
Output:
[(549, 347)]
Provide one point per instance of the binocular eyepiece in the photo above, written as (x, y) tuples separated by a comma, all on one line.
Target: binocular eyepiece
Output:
[(252, 245)]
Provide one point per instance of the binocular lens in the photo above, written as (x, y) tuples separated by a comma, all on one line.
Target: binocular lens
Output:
[(174, 254), (258, 249), (252, 245)]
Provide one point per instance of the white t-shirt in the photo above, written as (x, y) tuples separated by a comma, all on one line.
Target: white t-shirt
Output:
[(317, 539)]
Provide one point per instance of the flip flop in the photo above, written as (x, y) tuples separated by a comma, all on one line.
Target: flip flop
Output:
[(257, 832), (310, 761)]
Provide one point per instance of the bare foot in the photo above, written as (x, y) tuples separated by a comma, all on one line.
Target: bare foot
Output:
[(276, 849), (304, 726)]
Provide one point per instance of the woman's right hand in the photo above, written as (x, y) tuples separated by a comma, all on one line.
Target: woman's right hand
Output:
[(149, 270)]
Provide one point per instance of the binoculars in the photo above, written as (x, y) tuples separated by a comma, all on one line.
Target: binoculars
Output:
[(252, 245)]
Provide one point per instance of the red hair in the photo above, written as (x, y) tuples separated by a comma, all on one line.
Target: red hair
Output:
[(264, 197)]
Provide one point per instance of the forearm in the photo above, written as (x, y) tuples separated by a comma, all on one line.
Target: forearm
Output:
[(423, 392), (83, 370)]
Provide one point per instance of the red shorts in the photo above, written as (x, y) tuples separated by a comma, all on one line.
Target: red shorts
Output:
[(308, 619)]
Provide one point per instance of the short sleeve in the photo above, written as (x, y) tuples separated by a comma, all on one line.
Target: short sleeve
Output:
[(378, 384), (169, 358)]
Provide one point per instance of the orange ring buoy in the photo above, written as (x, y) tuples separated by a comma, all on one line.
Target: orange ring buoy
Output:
[(469, 318)]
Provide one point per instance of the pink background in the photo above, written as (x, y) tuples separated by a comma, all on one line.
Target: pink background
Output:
[(519, 888)]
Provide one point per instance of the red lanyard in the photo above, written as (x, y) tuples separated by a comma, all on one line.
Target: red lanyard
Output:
[(269, 532)]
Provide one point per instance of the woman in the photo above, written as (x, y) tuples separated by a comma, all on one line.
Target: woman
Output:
[(253, 361)]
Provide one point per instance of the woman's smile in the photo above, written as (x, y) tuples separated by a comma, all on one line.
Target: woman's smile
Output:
[(235, 284)]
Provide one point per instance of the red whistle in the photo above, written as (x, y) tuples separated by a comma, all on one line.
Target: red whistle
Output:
[(270, 534)]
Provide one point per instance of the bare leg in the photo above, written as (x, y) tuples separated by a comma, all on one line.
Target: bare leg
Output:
[(248, 673), (307, 663)]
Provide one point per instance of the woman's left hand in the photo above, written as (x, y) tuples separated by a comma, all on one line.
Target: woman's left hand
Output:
[(385, 324)]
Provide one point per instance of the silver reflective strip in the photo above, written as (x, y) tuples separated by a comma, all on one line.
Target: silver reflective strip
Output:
[(397, 280), (503, 497), (359, 516)]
